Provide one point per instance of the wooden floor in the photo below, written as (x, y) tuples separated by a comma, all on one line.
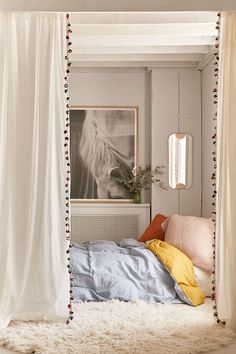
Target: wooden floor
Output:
[(226, 350)]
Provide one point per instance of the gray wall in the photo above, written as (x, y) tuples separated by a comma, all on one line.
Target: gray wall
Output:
[(118, 88), (173, 97), (208, 111)]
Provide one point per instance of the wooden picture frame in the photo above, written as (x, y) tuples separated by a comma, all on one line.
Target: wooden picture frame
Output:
[(102, 138)]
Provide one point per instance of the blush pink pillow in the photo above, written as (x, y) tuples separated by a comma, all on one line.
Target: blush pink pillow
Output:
[(193, 236)]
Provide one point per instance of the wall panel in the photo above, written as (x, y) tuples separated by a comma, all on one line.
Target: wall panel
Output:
[(208, 111), (176, 107), (164, 122), (190, 122)]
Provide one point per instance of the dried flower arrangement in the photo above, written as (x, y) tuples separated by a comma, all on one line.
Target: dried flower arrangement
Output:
[(140, 178)]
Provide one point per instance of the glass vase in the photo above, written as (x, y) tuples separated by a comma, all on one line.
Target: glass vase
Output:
[(136, 197)]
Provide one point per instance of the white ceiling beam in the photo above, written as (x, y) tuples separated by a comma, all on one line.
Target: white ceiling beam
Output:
[(141, 49), (206, 58), (141, 17), (142, 40), (133, 57), (94, 66), (179, 29), (102, 69)]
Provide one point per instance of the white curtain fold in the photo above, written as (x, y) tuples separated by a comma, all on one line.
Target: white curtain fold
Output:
[(34, 282), (226, 176)]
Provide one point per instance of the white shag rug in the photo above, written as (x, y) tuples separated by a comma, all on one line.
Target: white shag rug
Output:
[(124, 328)]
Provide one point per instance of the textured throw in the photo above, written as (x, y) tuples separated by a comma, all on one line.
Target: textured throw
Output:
[(122, 327)]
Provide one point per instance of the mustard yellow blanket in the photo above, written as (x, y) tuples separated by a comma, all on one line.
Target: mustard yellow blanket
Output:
[(181, 269)]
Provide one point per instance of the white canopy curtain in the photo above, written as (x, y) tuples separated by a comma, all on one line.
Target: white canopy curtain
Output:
[(226, 206), (34, 281)]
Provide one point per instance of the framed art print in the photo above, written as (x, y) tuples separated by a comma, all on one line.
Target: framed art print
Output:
[(103, 140)]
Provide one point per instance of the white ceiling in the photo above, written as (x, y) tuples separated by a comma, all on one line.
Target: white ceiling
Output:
[(141, 39), (117, 5)]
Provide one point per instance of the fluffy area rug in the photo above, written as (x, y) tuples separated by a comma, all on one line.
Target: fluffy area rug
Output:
[(124, 328)]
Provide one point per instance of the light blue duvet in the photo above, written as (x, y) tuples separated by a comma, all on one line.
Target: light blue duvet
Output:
[(104, 270)]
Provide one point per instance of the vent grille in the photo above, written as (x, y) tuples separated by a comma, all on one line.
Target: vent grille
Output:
[(104, 227)]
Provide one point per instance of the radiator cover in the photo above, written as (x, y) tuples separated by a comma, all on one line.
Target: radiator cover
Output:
[(114, 222), (104, 227)]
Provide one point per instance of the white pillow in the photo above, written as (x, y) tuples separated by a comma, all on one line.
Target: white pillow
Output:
[(204, 280)]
